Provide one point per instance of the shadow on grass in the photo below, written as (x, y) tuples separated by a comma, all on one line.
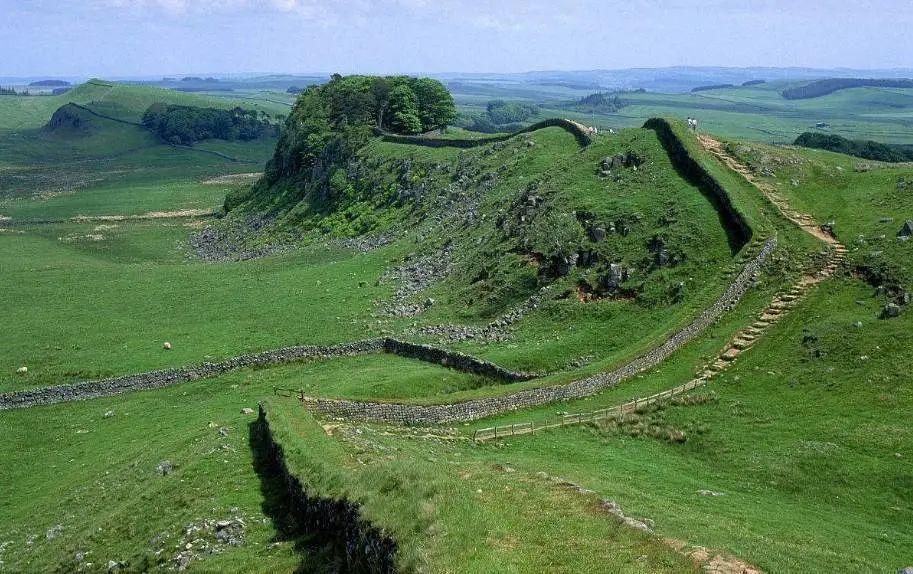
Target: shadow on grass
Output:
[(316, 558)]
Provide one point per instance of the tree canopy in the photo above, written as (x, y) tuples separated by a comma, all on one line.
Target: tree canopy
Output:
[(330, 121), (866, 149), (184, 125)]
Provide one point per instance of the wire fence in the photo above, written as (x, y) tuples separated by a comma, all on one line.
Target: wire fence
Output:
[(528, 427)]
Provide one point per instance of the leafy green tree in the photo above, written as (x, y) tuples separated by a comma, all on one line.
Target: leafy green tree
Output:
[(402, 105), (380, 90), (435, 104)]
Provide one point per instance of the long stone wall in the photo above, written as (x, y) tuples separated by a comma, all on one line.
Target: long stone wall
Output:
[(166, 377), (577, 130), (738, 230), (454, 360), (358, 544), (489, 406)]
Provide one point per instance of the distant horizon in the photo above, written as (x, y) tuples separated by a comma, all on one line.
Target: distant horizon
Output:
[(447, 73)]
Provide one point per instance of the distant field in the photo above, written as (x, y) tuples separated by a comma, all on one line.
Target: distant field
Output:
[(757, 112)]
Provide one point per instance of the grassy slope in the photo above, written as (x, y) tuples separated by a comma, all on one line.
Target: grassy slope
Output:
[(122, 101), (868, 207), (453, 515), (84, 308), (116, 168), (97, 478), (809, 450), (566, 330)]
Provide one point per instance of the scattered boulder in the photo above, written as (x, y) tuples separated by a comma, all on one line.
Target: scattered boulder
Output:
[(164, 467), (109, 414), (704, 492), (587, 258), (597, 234), (618, 161), (565, 264), (890, 310), (166, 346), (247, 411), (22, 370), (54, 531), (230, 532), (114, 566), (612, 280), (907, 229), (223, 431), (907, 570)]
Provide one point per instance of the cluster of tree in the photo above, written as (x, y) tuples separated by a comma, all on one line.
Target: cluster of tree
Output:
[(866, 149), (185, 125), (754, 82), (824, 87), (294, 90), (8, 91), (600, 102), (499, 116), (712, 87), (502, 112), (199, 79), (330, 121)]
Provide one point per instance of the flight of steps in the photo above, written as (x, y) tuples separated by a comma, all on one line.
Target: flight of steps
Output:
[(777, 308)]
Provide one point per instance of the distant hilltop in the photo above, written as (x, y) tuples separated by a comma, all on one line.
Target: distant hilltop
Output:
[(49, 84)]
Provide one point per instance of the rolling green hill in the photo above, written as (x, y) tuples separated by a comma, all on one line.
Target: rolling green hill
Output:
[(554, 251)]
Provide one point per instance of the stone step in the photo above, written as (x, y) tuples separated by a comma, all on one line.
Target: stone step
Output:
[(741, 344), (730, 354)]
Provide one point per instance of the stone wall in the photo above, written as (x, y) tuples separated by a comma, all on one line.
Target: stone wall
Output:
[(575, 129), (166, 377), (738, 230), (489, 406), (455, 360), (356, 543)]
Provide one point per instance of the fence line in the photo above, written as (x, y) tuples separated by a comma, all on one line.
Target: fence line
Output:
[(527, 427)]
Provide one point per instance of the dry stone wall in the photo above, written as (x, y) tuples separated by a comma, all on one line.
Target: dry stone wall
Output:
[(737, 228), (489, 406), (359, 545), (580, 133), (163, 378)]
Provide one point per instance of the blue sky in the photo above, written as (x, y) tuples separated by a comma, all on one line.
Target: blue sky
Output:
[(156, 37)]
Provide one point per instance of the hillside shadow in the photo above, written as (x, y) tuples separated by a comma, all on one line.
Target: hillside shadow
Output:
[(316, 558)]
